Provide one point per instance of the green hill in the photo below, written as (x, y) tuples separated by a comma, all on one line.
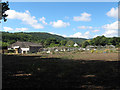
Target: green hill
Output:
[(34, 36), (77, 40), (37, 37), (43, 35), (51, 40)]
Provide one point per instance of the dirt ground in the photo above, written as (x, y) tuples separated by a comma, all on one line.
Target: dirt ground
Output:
[(87, 56), (35, 71)]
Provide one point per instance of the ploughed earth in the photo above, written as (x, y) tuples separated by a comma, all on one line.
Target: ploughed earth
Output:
[(91, 71)]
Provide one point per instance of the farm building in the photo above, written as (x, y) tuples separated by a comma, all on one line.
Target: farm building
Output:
[(60, 49), (75, 45), (109, 46), (25, 47), (56, 49), (89, 47)]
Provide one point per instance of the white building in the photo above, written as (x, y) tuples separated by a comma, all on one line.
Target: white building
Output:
[(75, 45), (25, 47)]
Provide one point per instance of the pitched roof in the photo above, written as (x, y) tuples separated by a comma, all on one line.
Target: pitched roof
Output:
[(25, 44)]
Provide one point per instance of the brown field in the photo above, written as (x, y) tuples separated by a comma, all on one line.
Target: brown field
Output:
[(86, 56), (89, 71)]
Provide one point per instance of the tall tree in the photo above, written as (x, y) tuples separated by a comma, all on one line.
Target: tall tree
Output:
[(3, 8), (70, 43), (63, 42), (86, 43)]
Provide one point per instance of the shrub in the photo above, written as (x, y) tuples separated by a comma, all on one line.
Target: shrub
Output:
[(111, 50), (52, 52), (106, 50), (72, 52), (11, 51), (92, 51), (96, 51), (81, 50)]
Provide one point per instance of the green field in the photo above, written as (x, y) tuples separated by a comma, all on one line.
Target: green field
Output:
[(36, 71)]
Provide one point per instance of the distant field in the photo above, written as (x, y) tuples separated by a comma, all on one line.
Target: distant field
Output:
[(88, 71), (86, 56), (79, 56)]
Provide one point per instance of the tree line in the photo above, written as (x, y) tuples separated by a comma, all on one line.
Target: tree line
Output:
[(49, 40), (102, 41), (45, 39)]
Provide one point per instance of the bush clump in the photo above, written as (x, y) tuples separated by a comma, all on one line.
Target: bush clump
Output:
[(11, 51), (92, 51), (96, 51)]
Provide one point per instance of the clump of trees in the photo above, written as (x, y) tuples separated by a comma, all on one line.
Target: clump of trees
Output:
[(52, 42), (102, 40), (4, 6)]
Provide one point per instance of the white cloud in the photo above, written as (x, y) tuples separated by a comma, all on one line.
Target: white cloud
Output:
[(43, 20), (7, 29), (90, 27), (84, 17), (95, 30), (57, 34), (96, 36), (111, 29), (59, 24), (16, 29), (112, 26), (80, 35), (113, 13), (25, 17), (85, 27), (76, 35), (21, 29), (110, 33)]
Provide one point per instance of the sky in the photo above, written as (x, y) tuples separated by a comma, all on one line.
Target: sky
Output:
[(61, 0), (68, 19)]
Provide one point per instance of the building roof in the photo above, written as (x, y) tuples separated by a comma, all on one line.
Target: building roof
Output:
[(75, 44), (16, 47), (91, 46), (25, 44)]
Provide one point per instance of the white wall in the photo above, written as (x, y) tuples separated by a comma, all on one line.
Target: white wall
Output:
[(24, 49)]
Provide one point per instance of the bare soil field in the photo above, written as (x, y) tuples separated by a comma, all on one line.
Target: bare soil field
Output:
[(85, 56), (91, 71)]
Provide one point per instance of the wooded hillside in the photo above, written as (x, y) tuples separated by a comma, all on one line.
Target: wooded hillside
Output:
[(52, 40), (46, 39)]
